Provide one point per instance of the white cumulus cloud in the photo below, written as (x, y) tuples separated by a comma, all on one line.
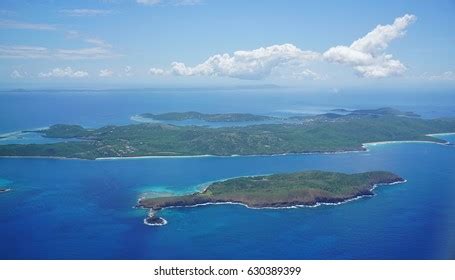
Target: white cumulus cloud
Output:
[(254, 64), (66, 72), (128, 71), (106, 73), (366, 55), (17, 74), (156, 71), (305, 74)]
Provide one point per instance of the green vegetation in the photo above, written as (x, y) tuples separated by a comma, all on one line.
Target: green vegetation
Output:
[(281, 190), (66, 131), (315, 134), (230, 117)]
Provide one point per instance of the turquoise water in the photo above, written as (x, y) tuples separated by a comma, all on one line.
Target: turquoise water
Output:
[(79, 209), (21, 137)]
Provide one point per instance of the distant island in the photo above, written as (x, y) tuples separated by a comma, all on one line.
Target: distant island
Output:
[(245, 117), (276, 191), (228, 117), (324, 133), (337, 113), (385, 111)]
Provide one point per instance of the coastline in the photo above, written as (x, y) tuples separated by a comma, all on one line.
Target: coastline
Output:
[(363, 148), (201, 187), (237, 155), (373, 187), (297, 206), (44, 157), (148, 157)]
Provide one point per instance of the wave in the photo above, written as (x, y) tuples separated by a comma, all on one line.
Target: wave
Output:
[(164, 222), (148, 157), (402, 142)]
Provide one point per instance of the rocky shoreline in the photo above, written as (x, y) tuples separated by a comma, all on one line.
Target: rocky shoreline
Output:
[(153, 220), (306, 197)]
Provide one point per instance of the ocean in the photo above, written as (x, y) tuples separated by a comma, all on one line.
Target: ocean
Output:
[(81, 209)]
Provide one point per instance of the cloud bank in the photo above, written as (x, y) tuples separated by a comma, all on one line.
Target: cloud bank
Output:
[(85, 12), (365, 55), (12, 24), (66, 72), (17, 74), (98, 50), (156, 71), (251, 65), (169, 2), (23, 52), (446, 76), (106, 73), (148, 2)]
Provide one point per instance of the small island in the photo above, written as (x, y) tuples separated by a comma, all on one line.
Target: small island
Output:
[(4, 190), (228, 117), (153, 220), (308, 188)]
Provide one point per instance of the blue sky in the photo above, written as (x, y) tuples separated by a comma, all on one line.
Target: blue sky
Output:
[(313, 44)]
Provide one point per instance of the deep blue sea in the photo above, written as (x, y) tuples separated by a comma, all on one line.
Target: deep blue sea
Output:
[(80, 209)]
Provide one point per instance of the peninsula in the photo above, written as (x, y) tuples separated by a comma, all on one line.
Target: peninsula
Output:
[(277, 191), (227, 117), (317, 134)]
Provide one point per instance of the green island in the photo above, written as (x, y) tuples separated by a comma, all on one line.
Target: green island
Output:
[(380, 111), (276, 191), (229, 117), (337, 113), (311, 134)]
